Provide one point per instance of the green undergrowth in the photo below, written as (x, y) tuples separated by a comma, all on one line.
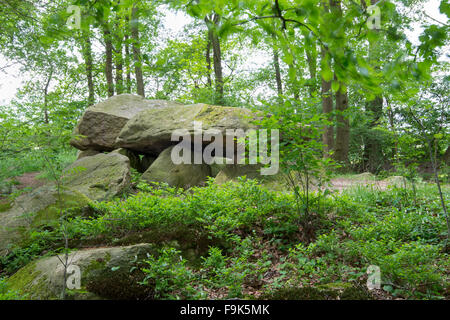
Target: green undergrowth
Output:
[(16, 165), (240, 240), (7, 293)]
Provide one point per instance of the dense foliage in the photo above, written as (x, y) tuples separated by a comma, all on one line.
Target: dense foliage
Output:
[(242, 240), (350, 93)]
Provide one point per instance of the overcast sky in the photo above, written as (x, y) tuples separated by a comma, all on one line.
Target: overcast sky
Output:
[(11, 78)]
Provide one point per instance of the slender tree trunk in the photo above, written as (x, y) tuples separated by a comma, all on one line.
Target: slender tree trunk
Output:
[(86, 47), (438, 184), (327, 109), (295, 87), (127, 64), (137, 51), (343, 127), (276, 64), (208, 60), (217, 56), (109, 59), (432, 146), (394, 130), (49, 78), (119, 60), (373, 149), (311, 53), (119, 74), (327, 105), (293, 67)]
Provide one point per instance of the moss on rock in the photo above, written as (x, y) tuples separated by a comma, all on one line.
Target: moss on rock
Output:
[(35, 209), (71, 201), (5, 206), (163, 170), (211, 116), (106, 273), (100, 177), (24, 281), (150, 131), (100, 124)]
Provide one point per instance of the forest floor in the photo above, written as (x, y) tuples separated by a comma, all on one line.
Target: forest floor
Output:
[(32, 180), (29, 180), (264, 252), (364, 179)]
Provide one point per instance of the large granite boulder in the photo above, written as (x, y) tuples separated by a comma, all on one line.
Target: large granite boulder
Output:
[(100, 125), (99, 177), (105, 273), (150, 131), (184, 176), (37, 208)]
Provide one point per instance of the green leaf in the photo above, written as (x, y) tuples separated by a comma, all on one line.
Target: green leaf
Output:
[(444, 8), (335, 86), (327, 74), (388, 289)]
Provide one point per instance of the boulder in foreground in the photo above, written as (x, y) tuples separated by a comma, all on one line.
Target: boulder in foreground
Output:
[(36, 208), (105, 274)]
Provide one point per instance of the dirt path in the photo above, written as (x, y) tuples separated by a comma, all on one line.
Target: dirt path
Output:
[(26, 180), (364, 179), (29, 180)]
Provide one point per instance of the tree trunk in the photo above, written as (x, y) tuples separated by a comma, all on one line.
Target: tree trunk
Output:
[(212, 23), (86, 47), (391, 117), (127, 64), (49, 78), (327, 109), (295, 87), (109, 59), (343, 127), (373, 149), (119, 60), (311, 53), (438, 184), (276, 64), (208, 60), (137, 51), (373, 157), (119, 74)]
